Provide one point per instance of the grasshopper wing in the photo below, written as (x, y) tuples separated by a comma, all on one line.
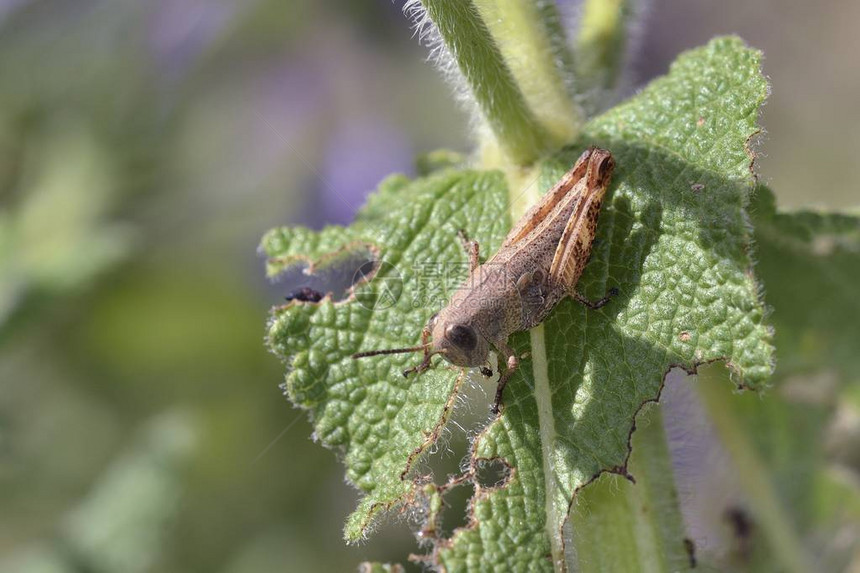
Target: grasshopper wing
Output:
[(553, 197), (573, 249)]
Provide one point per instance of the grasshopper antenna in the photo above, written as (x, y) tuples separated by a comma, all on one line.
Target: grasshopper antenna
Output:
[(389, 351), (425, 363), (425, 347)]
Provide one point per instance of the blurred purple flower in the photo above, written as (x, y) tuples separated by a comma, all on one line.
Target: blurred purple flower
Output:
[(9, 6), (180, 30), (360, 153)]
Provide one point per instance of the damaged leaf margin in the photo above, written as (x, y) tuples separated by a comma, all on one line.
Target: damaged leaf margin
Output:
[(381, 420)]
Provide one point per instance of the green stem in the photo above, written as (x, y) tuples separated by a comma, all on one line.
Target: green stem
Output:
[(516, 127), (601, 45), (786, 547), (621, 526), (533, 43)]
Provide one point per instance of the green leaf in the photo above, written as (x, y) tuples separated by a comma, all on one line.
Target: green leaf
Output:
[(67, 192), (786, 446), (381, 419), (672, 237), (809, 262), (368, 567), (110, 530)]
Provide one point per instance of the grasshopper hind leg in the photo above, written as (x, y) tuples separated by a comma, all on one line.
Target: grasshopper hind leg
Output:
[(595, 304)]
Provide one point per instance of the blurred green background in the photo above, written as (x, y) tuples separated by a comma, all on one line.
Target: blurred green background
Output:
[(144, 149)]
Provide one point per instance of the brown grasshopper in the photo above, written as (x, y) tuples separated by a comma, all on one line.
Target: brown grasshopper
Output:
[(538, 264)]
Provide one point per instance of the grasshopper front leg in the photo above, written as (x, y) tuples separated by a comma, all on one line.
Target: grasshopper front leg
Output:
[(512, 362), (425, 362)]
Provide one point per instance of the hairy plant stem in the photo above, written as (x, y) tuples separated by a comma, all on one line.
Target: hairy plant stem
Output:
[(514, 125), (532, 41)]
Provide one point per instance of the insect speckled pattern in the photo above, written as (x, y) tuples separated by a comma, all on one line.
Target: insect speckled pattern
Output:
[(538, 264)]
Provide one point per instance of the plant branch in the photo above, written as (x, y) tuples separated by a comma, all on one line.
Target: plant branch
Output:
[(492, 84), (533, 43)]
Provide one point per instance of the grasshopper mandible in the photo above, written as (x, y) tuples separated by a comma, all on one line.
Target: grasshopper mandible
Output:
[(538, 264)]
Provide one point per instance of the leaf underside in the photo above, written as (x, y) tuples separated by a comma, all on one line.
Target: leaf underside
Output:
[(673, 239)]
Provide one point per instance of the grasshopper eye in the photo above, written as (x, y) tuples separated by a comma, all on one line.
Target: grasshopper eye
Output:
[(462, 336)]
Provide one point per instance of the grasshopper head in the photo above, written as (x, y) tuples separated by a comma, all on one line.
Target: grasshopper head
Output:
[(458, 342)]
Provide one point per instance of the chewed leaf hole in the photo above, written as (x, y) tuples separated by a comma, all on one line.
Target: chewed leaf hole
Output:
[(457, 510), (492, 473), (335, 275)]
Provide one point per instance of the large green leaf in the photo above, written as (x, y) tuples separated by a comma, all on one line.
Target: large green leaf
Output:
[(793, 461), (809, 262), (673, 239)]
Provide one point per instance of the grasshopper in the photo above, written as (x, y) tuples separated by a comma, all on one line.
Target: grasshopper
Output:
[(538, 264)]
